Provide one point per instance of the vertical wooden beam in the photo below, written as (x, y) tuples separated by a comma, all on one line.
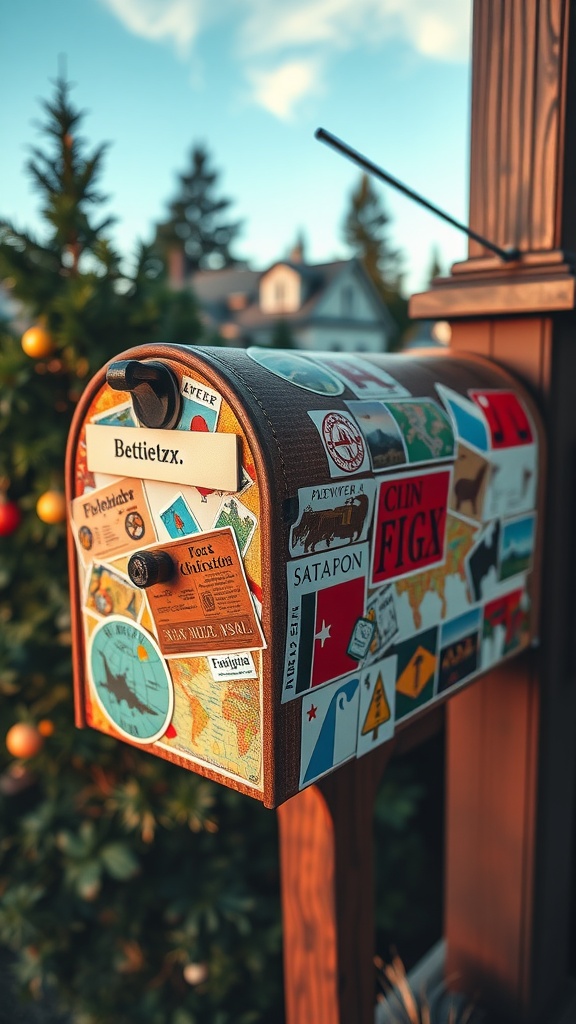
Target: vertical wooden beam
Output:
[(511, 752), (327, 871)]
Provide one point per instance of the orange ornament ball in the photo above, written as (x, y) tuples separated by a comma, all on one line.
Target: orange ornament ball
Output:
[(51, 507), (37, 342), (24, 740), (46, 727)]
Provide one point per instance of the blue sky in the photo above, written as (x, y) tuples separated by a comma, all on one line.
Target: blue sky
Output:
[(252, 79)]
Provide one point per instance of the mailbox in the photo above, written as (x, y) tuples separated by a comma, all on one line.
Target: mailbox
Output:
[(279, 558)]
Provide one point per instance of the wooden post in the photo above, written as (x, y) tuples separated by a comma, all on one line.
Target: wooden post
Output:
[(328, 896), (511, 763)]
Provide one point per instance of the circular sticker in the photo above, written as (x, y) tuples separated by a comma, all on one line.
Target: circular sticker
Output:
[(343, 441), (131, 680), (297, 370)]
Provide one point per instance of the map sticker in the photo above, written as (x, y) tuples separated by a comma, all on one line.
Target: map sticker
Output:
[(381, 433), (377, 704), (234, 514), (108, 593), (343, 442), (178, 518), (329, 729), (205, 607), (217, 725), (426, 429), (363, 379), (130, 679), (112, 520), (326, 597), (332, 515), (410, 526)]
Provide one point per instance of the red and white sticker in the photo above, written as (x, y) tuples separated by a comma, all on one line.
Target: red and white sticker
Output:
[(343, 442)]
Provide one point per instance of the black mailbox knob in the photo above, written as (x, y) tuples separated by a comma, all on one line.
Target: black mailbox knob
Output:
[(145, 568), (154, 390)]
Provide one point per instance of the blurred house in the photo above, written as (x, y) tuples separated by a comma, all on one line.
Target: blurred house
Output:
[(321, 306)]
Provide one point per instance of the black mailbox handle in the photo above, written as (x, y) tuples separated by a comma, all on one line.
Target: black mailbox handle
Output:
[(154, 389)]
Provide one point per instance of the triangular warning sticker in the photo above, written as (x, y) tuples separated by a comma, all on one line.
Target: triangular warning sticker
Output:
[(378, 712)]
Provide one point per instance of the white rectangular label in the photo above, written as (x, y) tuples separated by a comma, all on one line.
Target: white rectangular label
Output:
[(192, 457), (238, 665)]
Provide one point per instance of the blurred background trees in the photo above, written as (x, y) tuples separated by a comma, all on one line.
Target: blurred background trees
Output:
[(130, 890)]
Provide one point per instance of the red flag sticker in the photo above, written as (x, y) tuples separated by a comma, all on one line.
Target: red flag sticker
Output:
[(410, 527), (326, 597), (506, 417)]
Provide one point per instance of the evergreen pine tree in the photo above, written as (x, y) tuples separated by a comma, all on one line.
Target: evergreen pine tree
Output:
[(118, 894), (365, 231), (197, 222)]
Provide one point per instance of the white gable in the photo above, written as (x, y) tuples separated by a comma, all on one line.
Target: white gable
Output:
[(281, 290), (348, 298)]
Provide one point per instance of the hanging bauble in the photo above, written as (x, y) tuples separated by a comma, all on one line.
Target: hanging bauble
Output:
[(10, 517), (23, 740), (37, 342), (51, 507)]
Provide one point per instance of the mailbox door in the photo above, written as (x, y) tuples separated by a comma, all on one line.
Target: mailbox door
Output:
[(175, 668)]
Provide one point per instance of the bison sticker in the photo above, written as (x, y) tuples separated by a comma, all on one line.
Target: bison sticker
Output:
[(331, 516)]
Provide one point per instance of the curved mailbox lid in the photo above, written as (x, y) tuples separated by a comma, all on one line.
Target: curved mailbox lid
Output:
[(385, 530)]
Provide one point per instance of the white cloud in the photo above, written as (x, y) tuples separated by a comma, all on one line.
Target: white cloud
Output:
[(284, 45), (281, 89), (175, 21)]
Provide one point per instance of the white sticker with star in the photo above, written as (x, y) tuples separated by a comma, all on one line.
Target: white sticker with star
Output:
[(329, 728)]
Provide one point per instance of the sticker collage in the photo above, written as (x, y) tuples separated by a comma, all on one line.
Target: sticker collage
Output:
[(405, 584), (175, 666)]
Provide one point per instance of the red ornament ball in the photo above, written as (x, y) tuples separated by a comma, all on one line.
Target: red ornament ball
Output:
[(10, 518)]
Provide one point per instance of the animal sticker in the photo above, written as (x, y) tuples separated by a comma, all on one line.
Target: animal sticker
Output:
[(332, 516), (469, 484)]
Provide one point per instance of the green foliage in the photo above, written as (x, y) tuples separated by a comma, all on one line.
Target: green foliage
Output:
[(365, 231), (130, 890), (196, 222)]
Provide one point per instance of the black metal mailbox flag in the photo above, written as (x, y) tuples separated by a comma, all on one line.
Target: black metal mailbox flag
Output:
[(280, 558)]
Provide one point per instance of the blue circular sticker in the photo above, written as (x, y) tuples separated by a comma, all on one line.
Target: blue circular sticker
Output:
[(297, 370), (131, 679)]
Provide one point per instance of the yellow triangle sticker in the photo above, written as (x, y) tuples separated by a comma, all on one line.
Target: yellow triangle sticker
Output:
[(378, 712), (417, 673)]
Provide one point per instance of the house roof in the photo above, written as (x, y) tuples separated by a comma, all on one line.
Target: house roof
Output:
[(214, 289)]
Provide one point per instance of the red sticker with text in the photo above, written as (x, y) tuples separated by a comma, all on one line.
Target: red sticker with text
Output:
[(410, 528)]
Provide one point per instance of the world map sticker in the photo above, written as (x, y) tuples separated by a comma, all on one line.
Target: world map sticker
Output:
[(130, 680)]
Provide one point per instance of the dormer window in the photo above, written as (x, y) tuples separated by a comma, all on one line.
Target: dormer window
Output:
[(280, 290)]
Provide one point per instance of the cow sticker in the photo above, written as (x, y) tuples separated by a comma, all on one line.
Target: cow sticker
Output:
[(331, 516)]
